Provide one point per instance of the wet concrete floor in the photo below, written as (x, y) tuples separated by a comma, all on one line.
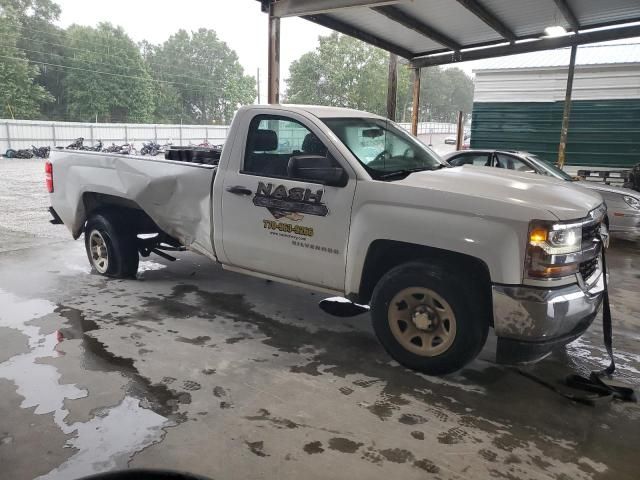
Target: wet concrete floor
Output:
[(192, 368)]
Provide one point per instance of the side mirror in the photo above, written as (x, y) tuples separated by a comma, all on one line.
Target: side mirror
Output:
[(317, 168)]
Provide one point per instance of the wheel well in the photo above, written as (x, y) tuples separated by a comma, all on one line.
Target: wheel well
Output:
[(383, 255), (128, 210)]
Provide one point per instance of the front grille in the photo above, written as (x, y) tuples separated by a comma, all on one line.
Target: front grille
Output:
[(588, 268)]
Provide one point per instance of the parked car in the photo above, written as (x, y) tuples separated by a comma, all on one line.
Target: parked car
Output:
[(440, 254), (451, 140), (623, 204)]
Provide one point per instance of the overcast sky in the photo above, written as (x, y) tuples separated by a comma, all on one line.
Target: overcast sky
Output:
[(239, 23)]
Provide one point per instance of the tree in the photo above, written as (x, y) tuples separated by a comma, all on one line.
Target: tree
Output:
[(20, 96), (342, 71), (42, 43), (202, 77), (106, 76), (443, 92), (346, 72)]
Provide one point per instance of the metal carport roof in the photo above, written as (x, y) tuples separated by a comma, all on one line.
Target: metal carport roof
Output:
[(437, 32), (434, 32)]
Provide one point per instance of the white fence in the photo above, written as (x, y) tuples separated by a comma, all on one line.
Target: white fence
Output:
[(18, 134), (425, 128)]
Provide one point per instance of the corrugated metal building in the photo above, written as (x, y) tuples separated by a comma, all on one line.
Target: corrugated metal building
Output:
[(518, 103)]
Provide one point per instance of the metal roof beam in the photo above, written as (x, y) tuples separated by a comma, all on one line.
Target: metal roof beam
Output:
[(338, 26), (297, 8), (398, 16), (568, 14), (489, 18), (530, 46)]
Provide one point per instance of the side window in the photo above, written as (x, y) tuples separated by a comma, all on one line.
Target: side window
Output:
[(272, 142), (476, 159), (511, 163)]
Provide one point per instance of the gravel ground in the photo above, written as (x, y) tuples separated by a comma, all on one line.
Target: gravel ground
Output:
[(24, 220)]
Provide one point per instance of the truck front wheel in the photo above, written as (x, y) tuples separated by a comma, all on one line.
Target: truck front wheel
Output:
[(426, 318), (110, 246)]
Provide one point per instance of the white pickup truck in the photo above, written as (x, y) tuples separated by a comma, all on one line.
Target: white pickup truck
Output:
[(348, 203)]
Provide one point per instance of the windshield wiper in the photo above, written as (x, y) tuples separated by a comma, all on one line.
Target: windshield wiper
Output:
[(408, 171)]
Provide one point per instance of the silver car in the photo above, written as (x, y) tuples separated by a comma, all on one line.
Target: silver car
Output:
[(623, 204)]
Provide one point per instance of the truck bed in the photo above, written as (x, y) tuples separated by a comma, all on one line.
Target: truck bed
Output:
[(175, 194)]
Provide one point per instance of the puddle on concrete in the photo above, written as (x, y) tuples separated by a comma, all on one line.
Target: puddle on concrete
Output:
[(113, 435), (38, 383), (109, 440)]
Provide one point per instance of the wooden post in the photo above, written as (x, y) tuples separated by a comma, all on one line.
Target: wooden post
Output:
[(460, 131), (273, 88), (564, 132), (392, 87), (415, 109)]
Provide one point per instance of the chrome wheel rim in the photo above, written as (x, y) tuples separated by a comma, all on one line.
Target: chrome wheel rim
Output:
[(98, 250), (422, 321)]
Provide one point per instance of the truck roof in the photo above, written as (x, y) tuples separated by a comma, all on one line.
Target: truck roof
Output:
[(321, 111)]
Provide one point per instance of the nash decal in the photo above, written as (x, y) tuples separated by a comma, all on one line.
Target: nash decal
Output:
[(291, 203)]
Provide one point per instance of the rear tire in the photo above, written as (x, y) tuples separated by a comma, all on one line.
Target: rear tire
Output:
[(111, 246), (428, 319)]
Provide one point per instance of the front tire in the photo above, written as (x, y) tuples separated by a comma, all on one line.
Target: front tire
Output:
[(111, 246), (428, 319)]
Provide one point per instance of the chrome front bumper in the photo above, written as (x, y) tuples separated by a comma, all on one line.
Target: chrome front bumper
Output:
[(530, 321)]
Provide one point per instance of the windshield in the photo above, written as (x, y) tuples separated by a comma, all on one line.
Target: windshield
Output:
[(383, 148), (549, 169)]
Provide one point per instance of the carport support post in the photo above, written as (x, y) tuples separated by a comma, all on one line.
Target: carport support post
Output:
[(273, 74), (459, 132), (415, 109), (392, 87), (567, 108)]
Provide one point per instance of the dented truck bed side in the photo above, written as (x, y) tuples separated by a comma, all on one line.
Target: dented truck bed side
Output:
[(175, 195)]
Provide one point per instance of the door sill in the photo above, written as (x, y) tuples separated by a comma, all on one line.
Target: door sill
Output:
[(295, 283)]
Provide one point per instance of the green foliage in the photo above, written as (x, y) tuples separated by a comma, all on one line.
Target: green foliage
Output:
[(42, 42), (204, 81), (341, 72), (101, 73), (345, 72), (110, 80), (20, 96)]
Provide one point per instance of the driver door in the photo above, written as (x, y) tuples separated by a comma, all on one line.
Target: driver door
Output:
[(278, 224)]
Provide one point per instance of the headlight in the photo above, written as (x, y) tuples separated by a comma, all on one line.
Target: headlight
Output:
[(548, 245), (556, 239), (633, 202)]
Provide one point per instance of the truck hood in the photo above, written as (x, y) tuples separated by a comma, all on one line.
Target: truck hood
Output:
[(517, 189)]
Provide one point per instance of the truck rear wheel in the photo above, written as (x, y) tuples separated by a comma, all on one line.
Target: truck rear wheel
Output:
[(110, 246), (426, 318)]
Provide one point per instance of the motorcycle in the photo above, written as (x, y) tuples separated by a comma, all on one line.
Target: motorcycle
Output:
[(77, 144), (40, 152), (150, 148), (23, 153), (127, 149), (96, 148), (113, 148)]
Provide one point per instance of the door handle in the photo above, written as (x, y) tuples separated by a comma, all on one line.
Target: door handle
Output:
[(239, 190)]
